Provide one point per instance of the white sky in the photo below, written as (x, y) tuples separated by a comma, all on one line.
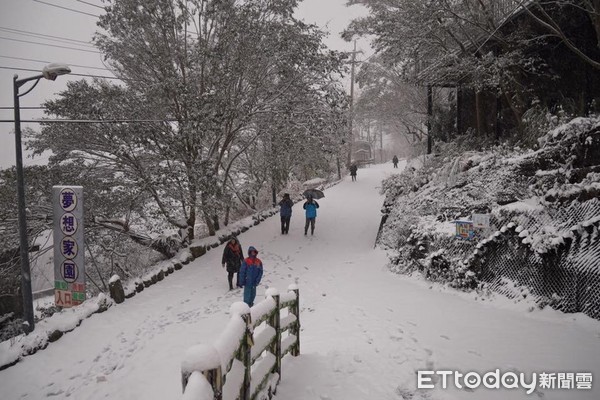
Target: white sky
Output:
[(36, 17), (365, 330)]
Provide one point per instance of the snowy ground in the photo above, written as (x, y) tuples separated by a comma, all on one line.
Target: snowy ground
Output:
[(365, 330)]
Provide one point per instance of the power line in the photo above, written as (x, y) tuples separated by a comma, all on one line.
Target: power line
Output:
[(23, 108), (90, 4), (47, 37), (67, 8), (47, 62), (87, 121), (50, 45)]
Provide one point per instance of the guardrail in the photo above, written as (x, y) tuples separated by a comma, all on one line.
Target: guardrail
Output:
[(243, 364)]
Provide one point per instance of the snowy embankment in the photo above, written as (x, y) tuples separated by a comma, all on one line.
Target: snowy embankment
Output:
[(365, 330), (540, 241)]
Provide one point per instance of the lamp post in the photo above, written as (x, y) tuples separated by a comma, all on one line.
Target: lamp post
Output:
[(50, 71)]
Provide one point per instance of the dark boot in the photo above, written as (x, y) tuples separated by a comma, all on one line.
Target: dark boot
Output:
[(230, 280)]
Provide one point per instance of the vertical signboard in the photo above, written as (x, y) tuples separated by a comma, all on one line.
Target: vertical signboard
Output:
[(464, 230), (69, 272)]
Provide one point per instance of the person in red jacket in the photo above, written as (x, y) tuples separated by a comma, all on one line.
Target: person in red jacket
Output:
[(233, 257), (250, 275)]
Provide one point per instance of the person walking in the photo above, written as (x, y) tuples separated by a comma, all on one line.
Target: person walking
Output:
[(353, 169), (395, 161), (250, 275), (232, 260), (285, 212), (311, 214)]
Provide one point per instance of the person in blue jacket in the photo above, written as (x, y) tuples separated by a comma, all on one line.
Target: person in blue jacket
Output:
[(285, 212), (311, 214), (250, 275)]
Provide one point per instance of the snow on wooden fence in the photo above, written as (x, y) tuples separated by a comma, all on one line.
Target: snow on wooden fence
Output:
[(244, 364)]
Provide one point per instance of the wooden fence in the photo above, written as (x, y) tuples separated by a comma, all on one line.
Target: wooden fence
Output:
[(244, 364)]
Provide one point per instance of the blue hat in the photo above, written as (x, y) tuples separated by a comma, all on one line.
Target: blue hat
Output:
[(252, 249)]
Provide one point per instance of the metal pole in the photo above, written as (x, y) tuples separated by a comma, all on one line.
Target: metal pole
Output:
[(23, 241), (429, 117), (351, 141)]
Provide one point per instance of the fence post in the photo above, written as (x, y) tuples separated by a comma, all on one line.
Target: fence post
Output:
[(275, 322), (296, 349), (247, 344), (185, 377), (203, 356), (215, 378)]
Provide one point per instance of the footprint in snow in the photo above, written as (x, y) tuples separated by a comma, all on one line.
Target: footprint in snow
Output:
[(444, 337)]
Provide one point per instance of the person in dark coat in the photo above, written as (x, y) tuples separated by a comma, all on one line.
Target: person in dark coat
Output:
[(311, 214), (250, 275), (395, 161), (232, 260), (353, 169), (285, 212)]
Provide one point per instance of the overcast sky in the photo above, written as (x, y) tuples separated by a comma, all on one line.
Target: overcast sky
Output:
[(33, 33)]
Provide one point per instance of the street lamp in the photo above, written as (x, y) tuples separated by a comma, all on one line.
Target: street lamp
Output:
[(50, 71)]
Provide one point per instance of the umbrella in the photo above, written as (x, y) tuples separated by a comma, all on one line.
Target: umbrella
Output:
[(314, 193)]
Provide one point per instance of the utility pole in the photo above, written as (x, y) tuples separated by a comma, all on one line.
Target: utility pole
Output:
[(351, 141), (381, 143)]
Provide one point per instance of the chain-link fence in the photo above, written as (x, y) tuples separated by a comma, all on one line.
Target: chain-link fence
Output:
[(551, 254), (546, 254)]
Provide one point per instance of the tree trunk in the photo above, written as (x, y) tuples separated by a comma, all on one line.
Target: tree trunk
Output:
[(216, 225), (226, 219), (517, 114), (478, 113), (209, 224)]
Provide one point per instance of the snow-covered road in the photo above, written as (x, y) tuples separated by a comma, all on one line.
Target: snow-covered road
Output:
[(365, 331)]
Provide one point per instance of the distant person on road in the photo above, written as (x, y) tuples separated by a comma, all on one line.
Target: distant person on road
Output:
[(311, 214), (232, 260), (250, 275), (285, 212), (395, 161), (353, 169)]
